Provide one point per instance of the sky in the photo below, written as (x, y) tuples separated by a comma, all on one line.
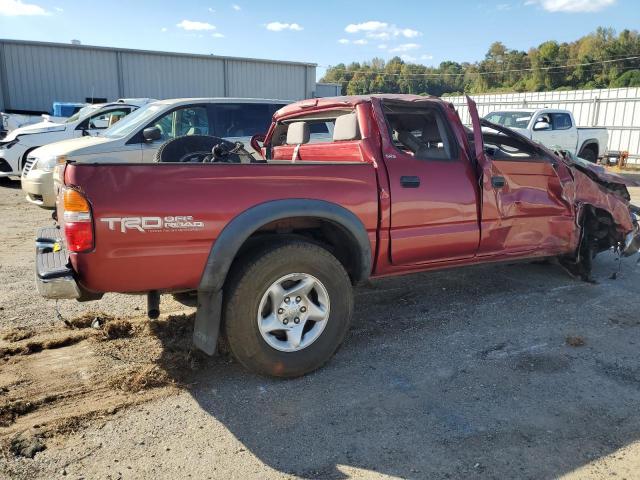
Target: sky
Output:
[(324, 32)]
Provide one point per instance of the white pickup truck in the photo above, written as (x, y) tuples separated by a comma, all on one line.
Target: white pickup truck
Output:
[(555, 129)]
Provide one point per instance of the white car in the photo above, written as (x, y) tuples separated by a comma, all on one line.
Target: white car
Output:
[(89, 120), (555, 129), (137, 138)]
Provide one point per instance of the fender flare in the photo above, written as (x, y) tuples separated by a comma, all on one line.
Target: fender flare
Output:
[(234, 235), (236, 232)]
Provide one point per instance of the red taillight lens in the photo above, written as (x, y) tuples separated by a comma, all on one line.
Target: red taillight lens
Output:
[(79, 236), (78, 224)]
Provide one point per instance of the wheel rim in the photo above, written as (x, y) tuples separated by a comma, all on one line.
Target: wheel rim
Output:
[(293, 312)]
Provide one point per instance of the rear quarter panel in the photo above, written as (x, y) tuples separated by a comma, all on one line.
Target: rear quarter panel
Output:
[(137, 261)]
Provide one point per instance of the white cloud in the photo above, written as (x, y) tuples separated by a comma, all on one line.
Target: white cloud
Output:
[(343, 41), (381, 30), (383, 46), (236, 7), (370, 26), (410, 33), (194, 26), (211, 10), (59, 9), (405, 47), (426, 56), (279, 26), (572, 6), (217, 35), (16, 8), (163, 29), (408, 58), (360, 41)]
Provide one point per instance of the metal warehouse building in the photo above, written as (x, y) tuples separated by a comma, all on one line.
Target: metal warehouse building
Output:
[(35, 74)]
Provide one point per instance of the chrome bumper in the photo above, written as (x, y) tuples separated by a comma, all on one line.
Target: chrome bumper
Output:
[(54, 277)]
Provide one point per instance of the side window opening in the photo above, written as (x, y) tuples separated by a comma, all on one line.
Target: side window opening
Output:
[(183, 121), (503, 147), (420, 132), (561, 121), (242, 119)]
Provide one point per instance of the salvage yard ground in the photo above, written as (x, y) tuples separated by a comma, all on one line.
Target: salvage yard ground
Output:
[(506, 371)]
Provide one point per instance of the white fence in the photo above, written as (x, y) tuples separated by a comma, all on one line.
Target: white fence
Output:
[(617, 109)]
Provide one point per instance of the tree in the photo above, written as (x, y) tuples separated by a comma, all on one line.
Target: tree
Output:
[(598, 60)]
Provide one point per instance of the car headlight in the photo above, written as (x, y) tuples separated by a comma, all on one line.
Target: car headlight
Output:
[(47, 164)]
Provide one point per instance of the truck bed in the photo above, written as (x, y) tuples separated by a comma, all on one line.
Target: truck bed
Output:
[(134, 259)]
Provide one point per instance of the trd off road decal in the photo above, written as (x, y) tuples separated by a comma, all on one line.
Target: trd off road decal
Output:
[(153, 224)]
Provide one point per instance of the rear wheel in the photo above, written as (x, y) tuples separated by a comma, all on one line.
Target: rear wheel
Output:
[(589, 154), (288, 310)]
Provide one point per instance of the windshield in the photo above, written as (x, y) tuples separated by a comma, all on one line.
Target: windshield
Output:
[(83, 112), (131, 123), (510, 119)]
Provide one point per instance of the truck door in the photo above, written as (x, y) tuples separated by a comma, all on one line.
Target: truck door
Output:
[(433, 189), (524, 210), (566, 132)]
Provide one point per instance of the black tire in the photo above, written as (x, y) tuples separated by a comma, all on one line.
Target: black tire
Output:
[(247, 284), (187, 149), (589, 155)]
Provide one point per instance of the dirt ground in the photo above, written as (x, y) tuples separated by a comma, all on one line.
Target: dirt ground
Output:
[(505, 371)]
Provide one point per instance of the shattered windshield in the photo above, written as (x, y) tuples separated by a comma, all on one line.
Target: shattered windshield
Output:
[(516, 119)]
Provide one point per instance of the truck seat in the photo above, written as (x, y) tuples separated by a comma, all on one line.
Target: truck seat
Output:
[(298, 134)]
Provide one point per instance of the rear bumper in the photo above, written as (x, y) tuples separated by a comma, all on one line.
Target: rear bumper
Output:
[(54, 275)]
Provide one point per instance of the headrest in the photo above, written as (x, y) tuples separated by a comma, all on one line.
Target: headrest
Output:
[(430, 131), (298, 133), (346, 128)]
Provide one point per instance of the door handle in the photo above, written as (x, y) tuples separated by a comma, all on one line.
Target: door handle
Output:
[(497, 182), (410, 181)]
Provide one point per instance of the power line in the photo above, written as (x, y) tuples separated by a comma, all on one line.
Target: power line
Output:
[(440, 74)]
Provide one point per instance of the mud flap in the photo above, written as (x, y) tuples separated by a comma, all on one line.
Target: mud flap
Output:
[(207, 324)]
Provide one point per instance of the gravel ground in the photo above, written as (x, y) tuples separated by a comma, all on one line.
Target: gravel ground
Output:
[(504, 371)]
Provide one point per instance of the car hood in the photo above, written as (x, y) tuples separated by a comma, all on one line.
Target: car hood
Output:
[(40, 127), (75, 146)]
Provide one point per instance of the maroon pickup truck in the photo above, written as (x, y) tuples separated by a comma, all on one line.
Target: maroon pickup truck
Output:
[(347, 189)]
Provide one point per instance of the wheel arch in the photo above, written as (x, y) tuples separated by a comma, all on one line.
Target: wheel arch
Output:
[(590, 143), (240, 230)]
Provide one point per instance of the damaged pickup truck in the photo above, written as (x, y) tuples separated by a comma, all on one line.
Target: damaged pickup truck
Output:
[(348, 189)]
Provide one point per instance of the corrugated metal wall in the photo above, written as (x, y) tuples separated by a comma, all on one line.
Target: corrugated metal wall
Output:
[(35, 74), (328, 89), (617, 109), (166, 76)]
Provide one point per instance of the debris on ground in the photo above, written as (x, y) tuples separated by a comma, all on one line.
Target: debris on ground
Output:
[(145, 378), (35, 346), (18, 334), (575, 341), (26, 446), (118, 329), (89, 319)]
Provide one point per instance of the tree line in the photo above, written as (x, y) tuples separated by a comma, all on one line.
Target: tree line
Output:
[(601, 59)]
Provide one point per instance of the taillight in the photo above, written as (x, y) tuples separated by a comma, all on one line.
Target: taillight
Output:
[(78, 225)]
